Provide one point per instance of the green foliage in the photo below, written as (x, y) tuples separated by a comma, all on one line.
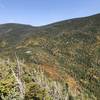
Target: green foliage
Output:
[(72, 47)]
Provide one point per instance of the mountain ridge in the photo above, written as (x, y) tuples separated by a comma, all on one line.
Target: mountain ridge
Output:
[(68, 52), (98, 14)]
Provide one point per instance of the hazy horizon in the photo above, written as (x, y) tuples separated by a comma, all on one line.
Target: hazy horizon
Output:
[(38, 13), (47, 23)]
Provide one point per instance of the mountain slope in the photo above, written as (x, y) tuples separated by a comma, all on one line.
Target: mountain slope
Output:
[(67, 51), (13, 33)]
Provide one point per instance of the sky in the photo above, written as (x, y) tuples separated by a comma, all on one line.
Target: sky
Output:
[(42, 12)]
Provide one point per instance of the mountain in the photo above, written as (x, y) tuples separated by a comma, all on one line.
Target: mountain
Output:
[(59, 61)]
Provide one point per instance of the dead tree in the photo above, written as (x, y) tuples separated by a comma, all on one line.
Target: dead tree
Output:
[(18, 77)]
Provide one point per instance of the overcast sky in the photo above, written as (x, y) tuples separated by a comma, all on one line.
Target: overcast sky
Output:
[(41, 12)]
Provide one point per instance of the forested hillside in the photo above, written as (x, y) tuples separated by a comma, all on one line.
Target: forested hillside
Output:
[(59, 61)]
